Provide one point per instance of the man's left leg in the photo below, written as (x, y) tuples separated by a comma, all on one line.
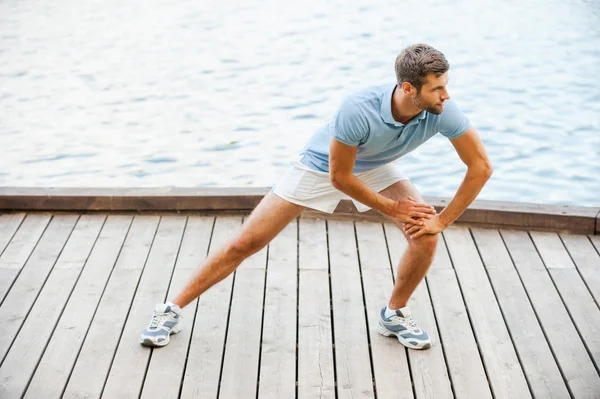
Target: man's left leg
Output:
[(395, 319)]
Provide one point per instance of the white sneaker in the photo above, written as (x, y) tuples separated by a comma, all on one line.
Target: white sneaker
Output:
[(404, 328), (167, 320)]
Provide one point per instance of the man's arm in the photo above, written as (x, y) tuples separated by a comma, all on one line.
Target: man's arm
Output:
[(472, 152), (341, 162)]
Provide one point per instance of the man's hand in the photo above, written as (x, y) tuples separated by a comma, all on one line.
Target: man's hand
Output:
[(432, 225), (407, 210)]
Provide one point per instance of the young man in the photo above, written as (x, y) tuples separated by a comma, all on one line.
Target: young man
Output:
[(350, 157)]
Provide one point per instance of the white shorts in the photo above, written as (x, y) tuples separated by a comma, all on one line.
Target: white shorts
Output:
[(303, 186)]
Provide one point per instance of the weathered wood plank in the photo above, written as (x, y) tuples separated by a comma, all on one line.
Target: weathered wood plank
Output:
[(27, 349), (131, 360), (7, 277), (578, 300), (466, 369), (240, 363), (59, 357), (581, 307), (481, 212), (201, 379), (98, 350), (552, 250), (23, 242), (562, 336), (27, 287), (167, 366), (9, 224), (428, 368), (390, 362), (354, 379), (278, 346), (537, 360), (503, 368), (315, 338), (596, 242), (586, 259)]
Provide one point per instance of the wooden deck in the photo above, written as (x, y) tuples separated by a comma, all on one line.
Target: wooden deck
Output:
[(512, 314)]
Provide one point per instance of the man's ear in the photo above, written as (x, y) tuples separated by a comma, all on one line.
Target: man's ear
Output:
[(408, 89)]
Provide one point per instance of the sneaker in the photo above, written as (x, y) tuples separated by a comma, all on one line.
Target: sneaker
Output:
[(404, 328), (167, 320)]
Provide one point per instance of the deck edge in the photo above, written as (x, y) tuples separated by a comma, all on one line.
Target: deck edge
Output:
[(584, 220)]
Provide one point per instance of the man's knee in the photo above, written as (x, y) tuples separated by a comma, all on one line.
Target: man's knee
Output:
[(426, 243), (246, 244)]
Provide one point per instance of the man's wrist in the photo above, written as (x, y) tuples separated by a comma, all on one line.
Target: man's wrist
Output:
[(444, 220), (387, 205)]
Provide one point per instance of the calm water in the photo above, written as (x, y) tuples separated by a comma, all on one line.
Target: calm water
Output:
[(196, 93)]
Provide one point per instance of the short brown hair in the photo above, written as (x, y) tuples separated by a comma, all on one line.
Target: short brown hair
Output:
[(418, 60)]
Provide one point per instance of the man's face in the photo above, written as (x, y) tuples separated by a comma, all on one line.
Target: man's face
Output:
[(433, 94)]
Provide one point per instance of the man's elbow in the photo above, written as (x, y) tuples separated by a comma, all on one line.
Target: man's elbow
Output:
[(483, 170), (337, 180), (486, 170)]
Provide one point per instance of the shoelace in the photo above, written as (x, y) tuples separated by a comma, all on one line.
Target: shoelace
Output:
[(412, 324), (409, 322), (158, 320)]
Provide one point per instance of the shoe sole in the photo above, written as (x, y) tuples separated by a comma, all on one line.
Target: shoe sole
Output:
[(149, 342), (387, 333)]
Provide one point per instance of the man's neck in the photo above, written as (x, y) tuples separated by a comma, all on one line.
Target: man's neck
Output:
[(403, 109)]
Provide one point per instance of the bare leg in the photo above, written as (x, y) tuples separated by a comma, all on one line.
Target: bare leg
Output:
[(418, 257), (266, 221)]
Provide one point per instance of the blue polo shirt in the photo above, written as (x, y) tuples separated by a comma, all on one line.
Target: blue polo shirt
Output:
[(365, 119)]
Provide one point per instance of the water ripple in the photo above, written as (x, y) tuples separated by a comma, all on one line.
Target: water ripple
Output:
[(225, 94)]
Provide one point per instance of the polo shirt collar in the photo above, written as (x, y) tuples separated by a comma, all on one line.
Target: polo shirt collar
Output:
[(386, 109)]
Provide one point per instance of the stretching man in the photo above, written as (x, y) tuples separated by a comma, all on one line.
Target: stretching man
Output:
[(351, 157)]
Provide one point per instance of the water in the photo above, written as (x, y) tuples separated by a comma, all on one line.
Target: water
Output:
[(190, 93)]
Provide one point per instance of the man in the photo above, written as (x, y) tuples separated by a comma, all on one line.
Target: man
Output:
[(350, 157)]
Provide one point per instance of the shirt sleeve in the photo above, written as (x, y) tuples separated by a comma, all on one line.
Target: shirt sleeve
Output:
[(349, 125), (453, 123)]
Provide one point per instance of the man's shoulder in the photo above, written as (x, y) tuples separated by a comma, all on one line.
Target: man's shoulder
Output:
[(369, 94), (366, 99)]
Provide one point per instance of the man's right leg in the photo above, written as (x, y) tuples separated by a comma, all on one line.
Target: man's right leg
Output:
[(266, 221)]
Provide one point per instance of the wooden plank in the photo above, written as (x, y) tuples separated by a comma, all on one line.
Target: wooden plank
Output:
[(353, 366), (130, 199), (7, 277), (60, 355), (502, 365), (579, 302), (201, 378), (540, 367), (551, 250), (482, 212), (240, 362), (390, 360), (464, 362), (27, 349), (278, 346), (9, 224), (167, 366), (596, 242), (315, 339), (23, 242), (574, 293), (131, 360), (571, 355), (27, 287), (98, 350), (587, 260), (428, 368), (582, 308)]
